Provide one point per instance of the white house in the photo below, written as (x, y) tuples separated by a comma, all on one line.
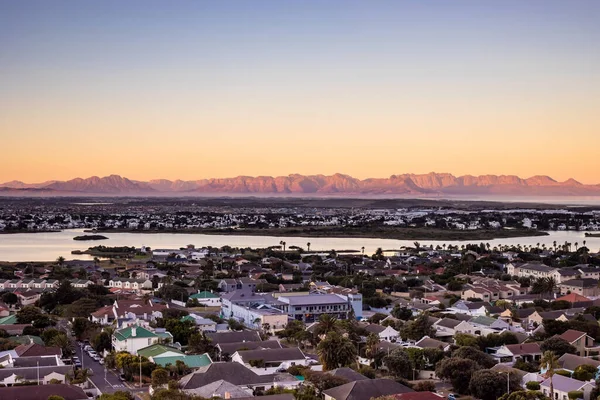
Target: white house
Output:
[(133, 338), (268, 361), (563, 385), (386, 333)]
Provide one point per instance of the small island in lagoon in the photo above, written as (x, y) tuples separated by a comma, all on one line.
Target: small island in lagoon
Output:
[(90, 237)]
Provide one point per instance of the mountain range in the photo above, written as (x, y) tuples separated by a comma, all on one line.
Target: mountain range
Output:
[(432, 184)]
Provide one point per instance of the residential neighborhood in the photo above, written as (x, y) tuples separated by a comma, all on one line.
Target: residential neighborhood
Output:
[(418, 323)]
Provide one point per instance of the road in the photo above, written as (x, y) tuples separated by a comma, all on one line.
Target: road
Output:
[(104, 379)]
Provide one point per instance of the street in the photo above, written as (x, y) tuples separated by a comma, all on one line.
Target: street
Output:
[(104, 379)]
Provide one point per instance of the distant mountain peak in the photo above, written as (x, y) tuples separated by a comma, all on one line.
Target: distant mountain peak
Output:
[(431, 183)]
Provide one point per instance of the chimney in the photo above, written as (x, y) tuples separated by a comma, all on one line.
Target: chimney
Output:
[(133, 331), (227, 395)]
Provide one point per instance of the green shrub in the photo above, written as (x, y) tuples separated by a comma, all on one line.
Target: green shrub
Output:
[(533, 385), (575, 394)]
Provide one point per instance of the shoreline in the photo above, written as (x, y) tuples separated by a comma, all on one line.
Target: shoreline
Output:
[(378, 233)]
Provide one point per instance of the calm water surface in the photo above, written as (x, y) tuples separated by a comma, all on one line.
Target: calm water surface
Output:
[(49, 246)]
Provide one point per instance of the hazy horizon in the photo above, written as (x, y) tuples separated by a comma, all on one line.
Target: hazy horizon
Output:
[(217, 89)]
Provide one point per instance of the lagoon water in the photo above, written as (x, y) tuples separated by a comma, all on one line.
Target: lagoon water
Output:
[(49, 246)]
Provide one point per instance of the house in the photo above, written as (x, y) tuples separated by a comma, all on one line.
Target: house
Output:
[(348, 374), (428, 343), (270, 360), (42, 392), (583, 287), (38, 375), (488, 322), (259, 316), (535, 270), (159, 350), (234, 337), (581, 340), (129, 283), (445, 327), (192, 361), (576, 300), (386, 333), (571, 361), (509, 353), (221, 389), (308, 308), (207, 299), (37, 350), (225, 350), (133, 338), (473, 329), (524, 377), (237, 374), (28, 297), (204, 324), (366, 389), (563, 385)]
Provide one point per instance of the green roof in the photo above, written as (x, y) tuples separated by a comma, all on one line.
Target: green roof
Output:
[(10, 320), (125, 334), (204, 295), (195, 361), (156, 350)]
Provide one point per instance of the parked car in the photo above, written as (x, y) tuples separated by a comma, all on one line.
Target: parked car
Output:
[(96, 357), (122, 377), (101, 361)]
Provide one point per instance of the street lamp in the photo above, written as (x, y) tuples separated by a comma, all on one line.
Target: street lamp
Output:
[(507, 381)]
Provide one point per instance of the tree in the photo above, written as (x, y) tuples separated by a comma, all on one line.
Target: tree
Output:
[(55, 397), (549, 362), (327, 323), (160, 376), (80, 327), (481, 358), (533, 385), (524, 395), (464, 339), (487, 385), (29, 314), (10, 298), (323, 381), (418, 328), (64, 343), (585, 372), (336, 351), (558, 346), (402, 313), (102, 341), (60, 260), (458, 372), (424, 386), (81, 308), (399, 364), (118, 395)]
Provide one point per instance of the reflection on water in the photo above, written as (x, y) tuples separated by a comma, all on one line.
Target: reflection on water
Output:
[(49, 246)]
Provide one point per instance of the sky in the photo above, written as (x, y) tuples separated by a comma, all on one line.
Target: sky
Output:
[(202, 89)]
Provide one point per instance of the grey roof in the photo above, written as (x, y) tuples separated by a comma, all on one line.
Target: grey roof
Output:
[(219, 388), (233, 337), (231, 348), (374, 328), (347, 373), (563, 384), (448, 323), (31, 373), (33, 362), (430, 343), (571, 361), (272, 355), (568, 272), (314, 299), (367, 389), (536, 267), (42, 392), (232, 372), (581, 283)]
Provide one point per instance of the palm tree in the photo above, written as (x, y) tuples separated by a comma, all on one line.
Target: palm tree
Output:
[(283, 244), (60, 260), (327, 323), (308, 246), (336, 351), (417, 245), (550, 360), (372, 346), (362, 249)]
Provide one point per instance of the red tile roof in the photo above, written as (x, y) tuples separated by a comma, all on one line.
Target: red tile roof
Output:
[(574, 298), (572, 335)]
